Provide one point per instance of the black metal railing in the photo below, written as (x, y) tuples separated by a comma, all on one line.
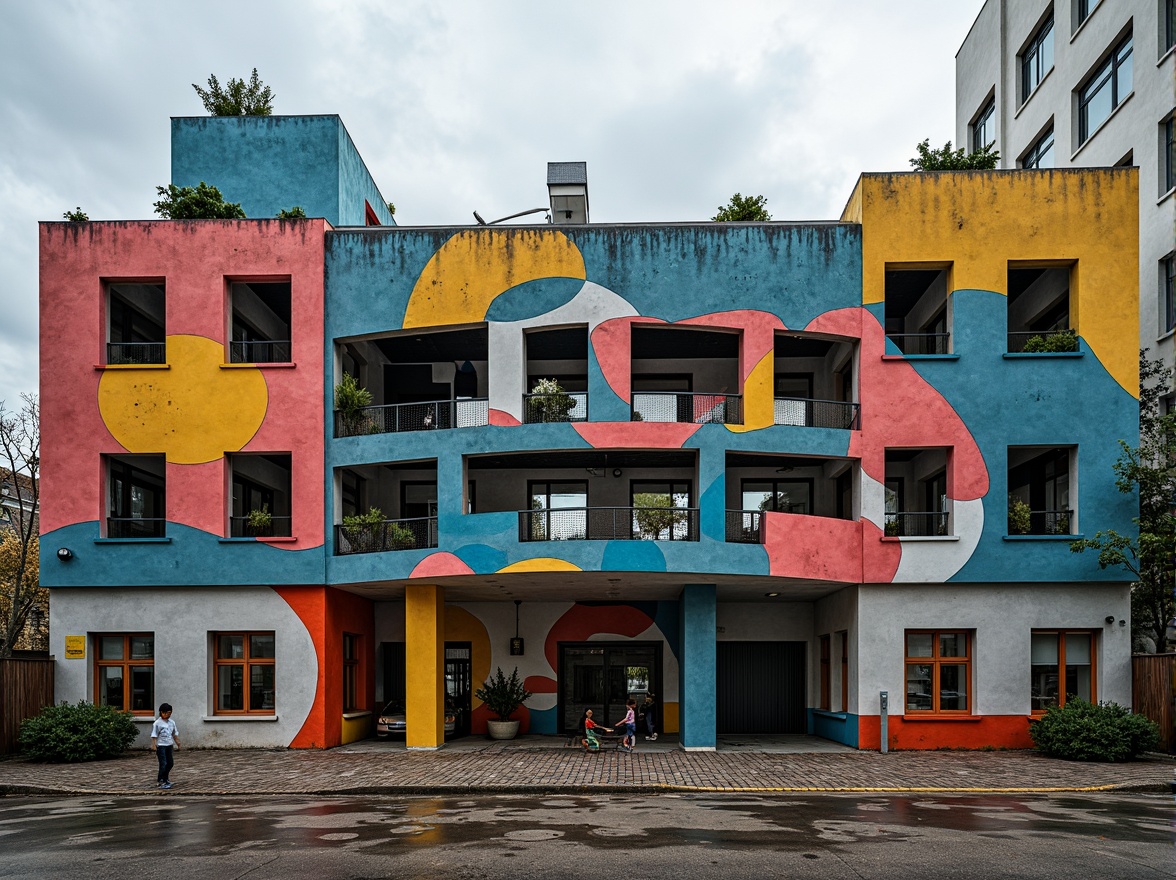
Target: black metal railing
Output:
[(394, 418), (743, 527), (921, 343), (571, 406), (277, 527), (390, 534), (609, 524), (269, 351), (136, 353), (135, 527), (680, 406), (1038, 341), (1041, 522), (917, 524), (810, 413)]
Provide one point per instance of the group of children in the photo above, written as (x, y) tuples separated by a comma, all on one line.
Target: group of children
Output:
[(627, 726)]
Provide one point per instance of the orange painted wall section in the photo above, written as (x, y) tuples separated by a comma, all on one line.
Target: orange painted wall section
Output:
[(977, 732)]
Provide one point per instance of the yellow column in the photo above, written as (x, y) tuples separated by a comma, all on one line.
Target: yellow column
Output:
[(424, 644)]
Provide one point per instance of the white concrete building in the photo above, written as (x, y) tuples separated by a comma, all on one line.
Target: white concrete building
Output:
[(1084, 83)]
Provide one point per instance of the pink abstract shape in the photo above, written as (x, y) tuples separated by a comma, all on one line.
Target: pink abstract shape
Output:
[(611, 340), (880, 561), (481, 715), (440, 565), (540, 684), (759, 335), (503, 419), (581, 622), (654, 435), (813, 547)]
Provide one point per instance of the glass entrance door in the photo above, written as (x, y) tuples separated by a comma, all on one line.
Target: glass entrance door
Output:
[(458, 675), (602, 676)]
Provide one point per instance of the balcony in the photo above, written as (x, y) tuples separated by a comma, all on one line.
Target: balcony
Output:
[(261, 322), (1043, 341), (1040, 522), (810, 413), (676, 406), (252, 527), (743, 527), (809, 486), (609, 524), (427, 416), (135, 329), (135, 527), (917, 524), (921, 343), (136, 353), (269, 351), (917, 317), (1039, 490), (567, 406), (1038, 307), (419, 533)]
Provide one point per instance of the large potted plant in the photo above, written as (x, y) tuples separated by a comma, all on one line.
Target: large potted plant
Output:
[(503, 696), (549, 402)]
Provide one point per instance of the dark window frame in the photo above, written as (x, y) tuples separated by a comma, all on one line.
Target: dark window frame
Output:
[(1034, 66), (352, 699), (1038, 150), (1168, 290), (985, 118), (1106, 73)]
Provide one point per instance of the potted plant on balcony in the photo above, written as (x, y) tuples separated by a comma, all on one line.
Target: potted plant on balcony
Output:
[(1052, 343), (549, 402), (1020, 518), (260, 522), (503, 696), (360, 530), (351, 399)]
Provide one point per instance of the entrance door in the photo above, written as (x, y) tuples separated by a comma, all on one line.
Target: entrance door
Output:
[(760, 687), (458, 683), (602, 676)]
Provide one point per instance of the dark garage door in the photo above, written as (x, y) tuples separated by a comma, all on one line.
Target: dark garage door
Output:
[(761, 687)]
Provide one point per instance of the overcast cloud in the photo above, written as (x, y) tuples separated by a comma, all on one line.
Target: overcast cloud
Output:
[(457, 106)]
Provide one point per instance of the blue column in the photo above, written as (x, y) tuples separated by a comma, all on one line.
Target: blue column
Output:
[(696, 667)]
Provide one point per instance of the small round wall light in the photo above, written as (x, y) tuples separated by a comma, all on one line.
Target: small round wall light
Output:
[(771, 595), (1110, 619), (616, 472), (65, 554)]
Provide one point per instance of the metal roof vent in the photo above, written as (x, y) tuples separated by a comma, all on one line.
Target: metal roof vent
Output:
[(567, 187)]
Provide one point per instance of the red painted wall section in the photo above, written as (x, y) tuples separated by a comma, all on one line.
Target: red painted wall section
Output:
[(798, 547), (999, 731), (310, 604), (195, 260), (612, 344), (759, 335)]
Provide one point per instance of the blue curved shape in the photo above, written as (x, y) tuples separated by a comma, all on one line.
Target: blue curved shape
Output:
[(533, 298), (633, 556), (543, 721), (482, 558)]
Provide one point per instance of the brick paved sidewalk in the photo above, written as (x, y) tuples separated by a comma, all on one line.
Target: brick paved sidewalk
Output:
[(500, 769)]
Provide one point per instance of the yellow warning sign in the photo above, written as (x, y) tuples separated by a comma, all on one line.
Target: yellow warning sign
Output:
[(75, 647)]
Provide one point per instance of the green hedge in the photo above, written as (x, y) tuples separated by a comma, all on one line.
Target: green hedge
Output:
[(67, 733), (1082, 731)]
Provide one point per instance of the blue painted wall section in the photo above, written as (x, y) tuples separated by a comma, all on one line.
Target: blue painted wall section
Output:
[(696, 667)]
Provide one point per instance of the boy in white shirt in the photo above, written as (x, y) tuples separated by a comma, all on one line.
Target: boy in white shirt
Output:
[(165, 738)]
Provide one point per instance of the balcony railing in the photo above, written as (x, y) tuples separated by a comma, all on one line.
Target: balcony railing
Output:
[(918, 524), (681, 406), (1037, 341), (1042, 522), (609, 524), (921, 343), (279, 527), (135, 527), (273, 351), (391, 534), (743, 527), (394, 418), (571, 406), (816, 413), (136, 353)]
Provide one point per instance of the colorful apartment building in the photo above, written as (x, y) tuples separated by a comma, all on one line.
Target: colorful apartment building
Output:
[(798, 477)]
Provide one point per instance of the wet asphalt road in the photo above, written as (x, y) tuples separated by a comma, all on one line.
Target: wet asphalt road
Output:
[(680, 836)]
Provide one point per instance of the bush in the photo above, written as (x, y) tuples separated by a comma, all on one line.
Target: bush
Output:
[(67, 733), (1082, 731), (1020, 517), (1062, 340), (503, 695), (201, 202)]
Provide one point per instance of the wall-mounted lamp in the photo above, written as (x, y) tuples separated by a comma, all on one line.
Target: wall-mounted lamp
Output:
[(1122, 622), (516, 644), (65, 554), (771, 595), (616, 472), (1110, 619)]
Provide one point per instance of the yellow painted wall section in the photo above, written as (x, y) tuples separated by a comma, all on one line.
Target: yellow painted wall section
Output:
[(424, 645), (759, 400), (355, 729), (669, 719), (466, 273), (980, 221)]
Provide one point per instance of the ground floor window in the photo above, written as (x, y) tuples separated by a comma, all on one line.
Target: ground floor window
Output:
[(125, 672), (938, 670), (244, 673), (351, 700), (1061, 667)]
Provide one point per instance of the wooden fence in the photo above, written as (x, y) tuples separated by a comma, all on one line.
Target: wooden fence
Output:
[(1153, 693), (26, 686)]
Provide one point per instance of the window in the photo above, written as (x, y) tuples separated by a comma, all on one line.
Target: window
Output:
[(1037, 58), (1040, 155), (1170, 24), (1061, 667), (662, 511), (1083, 10), (1105, 90), (916, 493), (261, 495), (826, 702), (560, 511), (780, 496), (261, 322), (984, 128), (1168, 288), (135, 323), (916, 310), (1168, 155), (244, 675), (137, 497), (124, 676), (1039, 490), (938, 670), (844, 634), (351, 697)]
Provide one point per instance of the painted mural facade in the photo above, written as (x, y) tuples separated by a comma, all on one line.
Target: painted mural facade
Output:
[(784, 468)]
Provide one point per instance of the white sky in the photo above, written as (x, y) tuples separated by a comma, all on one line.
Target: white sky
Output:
[(458, 106)]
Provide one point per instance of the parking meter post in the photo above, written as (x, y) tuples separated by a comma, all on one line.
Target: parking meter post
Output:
[(884, 704)]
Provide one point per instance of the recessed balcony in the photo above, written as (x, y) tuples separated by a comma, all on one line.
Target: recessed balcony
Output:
[(418, 533)]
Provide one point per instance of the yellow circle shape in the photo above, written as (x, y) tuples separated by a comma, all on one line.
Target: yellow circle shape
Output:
[(540, 563), (193, 412)]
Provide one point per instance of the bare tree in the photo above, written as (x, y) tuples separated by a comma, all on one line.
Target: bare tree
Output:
[(20, 462)]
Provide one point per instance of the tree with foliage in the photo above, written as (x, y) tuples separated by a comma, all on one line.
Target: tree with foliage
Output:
[(77, 215), (655, 515), (1150, 470), (237, 98), (947, 159), (201, 202), (392, 208), (743, 209), (20, 462), (295, 213)]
